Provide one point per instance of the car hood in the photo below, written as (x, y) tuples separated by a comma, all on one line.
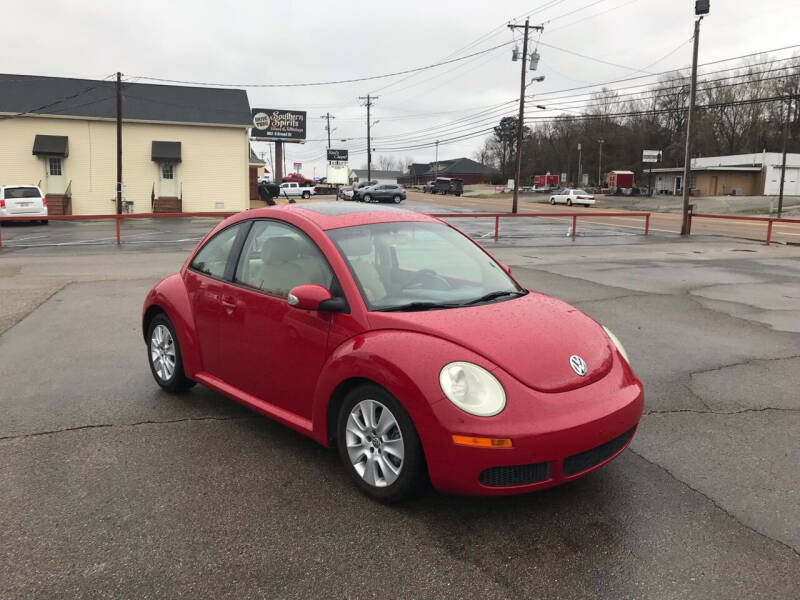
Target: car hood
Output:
[(531, 337)]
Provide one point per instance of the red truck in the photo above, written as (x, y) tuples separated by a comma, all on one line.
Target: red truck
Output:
[(618, 180), (298, 178)]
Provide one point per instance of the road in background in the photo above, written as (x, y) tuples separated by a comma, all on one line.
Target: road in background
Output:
[(659, 223)]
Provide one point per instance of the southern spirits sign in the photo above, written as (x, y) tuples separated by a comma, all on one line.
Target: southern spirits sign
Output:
[(273, 125)]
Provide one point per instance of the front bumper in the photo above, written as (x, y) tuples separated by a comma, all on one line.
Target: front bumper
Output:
[(556, 437)]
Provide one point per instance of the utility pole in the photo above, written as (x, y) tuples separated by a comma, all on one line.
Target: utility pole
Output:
[(580, 167), (600, 166), (783, 161), (369, 100), (119, 143), (280, 162), (328, 116), (527, 27), (436, 164), (701, 7)]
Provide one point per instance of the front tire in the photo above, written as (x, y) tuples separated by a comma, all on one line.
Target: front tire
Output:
[(164, 356), (367, 198), (378, 444), (553, 201), (569, 202)]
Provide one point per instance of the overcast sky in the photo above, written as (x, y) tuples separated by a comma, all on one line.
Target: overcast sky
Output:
[(251, 42)]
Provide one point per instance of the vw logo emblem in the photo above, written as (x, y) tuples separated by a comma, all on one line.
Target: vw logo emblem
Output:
[(578, 364)]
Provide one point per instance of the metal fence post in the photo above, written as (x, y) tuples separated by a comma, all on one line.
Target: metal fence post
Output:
[(769, 231), (116, 220), (496, 228), (574, 225), (647, 223)]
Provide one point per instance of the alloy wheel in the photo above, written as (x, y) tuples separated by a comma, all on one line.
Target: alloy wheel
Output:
[(375, 443), (162, 352)]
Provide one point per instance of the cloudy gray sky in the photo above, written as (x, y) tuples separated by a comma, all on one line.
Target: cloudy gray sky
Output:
[(252, 42)]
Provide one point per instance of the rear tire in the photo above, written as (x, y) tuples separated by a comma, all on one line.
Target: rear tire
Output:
[(569, 202), (387, 465), (397, 199), (552, 201), (306, 195), (164, 356)]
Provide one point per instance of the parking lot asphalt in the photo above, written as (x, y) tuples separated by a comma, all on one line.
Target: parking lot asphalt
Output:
[(111, 488)]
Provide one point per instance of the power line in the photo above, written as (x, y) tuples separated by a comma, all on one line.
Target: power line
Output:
[(320, 83)]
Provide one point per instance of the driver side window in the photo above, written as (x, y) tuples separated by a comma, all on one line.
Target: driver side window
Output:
[(276, 257)]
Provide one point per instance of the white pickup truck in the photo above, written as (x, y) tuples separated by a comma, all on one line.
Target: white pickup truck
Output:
[(292, 188)]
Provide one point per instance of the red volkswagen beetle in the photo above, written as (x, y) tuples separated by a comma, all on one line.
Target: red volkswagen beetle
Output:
[(394, 337)]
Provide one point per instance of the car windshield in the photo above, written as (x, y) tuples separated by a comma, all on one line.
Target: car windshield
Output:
[(420, 266)]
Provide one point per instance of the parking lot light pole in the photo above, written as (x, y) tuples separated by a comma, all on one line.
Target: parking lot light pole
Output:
[(527, 27)]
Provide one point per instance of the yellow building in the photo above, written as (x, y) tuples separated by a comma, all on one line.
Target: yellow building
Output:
[(184, 149)]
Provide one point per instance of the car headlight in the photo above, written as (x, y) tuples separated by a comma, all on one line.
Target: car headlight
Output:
[(617, 343), (472, 389)]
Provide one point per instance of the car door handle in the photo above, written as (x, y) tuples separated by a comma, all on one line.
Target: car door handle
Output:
[(229, 304)]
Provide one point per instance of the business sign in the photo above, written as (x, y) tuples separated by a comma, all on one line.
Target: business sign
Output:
[(297, 166), (338, 172), (651, 156), (338, 156), (273, 125)]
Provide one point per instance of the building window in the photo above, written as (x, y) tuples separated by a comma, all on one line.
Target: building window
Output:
[(55, 166), (167, 171)]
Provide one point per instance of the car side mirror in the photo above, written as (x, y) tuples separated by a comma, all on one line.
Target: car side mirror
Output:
[(313, 296), (505, 268)]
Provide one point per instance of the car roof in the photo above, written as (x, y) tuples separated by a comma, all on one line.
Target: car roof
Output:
[(334, 215)]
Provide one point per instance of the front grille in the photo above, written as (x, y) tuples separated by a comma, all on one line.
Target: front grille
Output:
[(517, 475), (586, 460)]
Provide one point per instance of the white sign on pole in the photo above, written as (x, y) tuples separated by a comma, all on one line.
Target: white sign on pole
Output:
[(337, 173), (563, 179), (651, 156)]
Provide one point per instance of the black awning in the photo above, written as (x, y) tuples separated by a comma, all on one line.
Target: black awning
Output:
[(166, 151), (51, 145)]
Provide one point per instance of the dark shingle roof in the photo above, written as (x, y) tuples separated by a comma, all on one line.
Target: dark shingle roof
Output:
[(141, 101)]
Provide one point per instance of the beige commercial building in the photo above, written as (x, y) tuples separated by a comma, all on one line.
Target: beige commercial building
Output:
[(184, 149)]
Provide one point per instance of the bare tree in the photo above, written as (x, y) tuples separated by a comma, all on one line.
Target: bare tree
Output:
[(387, 163)]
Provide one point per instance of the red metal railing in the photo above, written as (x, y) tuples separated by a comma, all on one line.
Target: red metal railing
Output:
[(768, 220), (573, 216), (116, 218)]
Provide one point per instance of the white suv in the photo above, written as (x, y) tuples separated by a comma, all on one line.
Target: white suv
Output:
[(22, 201)]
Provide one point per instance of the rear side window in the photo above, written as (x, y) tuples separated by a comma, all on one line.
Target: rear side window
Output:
[(213, 257), (22, 192)]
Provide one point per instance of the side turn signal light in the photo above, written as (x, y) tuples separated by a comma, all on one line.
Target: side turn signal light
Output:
[(481, 442)]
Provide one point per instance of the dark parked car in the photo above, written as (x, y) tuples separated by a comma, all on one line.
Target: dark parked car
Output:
[(448, 185), (384, 192), (359, 188)]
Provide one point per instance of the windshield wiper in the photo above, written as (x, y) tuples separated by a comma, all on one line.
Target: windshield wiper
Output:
[(495, 295), (412, 306)]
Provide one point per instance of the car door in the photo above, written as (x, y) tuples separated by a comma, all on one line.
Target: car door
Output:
[(204, 281), (271, 350)]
